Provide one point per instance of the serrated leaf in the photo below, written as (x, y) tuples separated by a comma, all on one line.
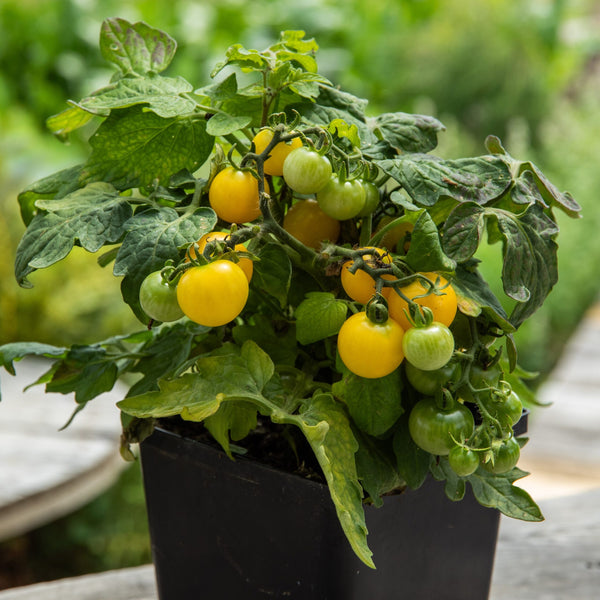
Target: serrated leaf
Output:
[(57, 185), (165, 96), (153, 237), (429, 178), (273, 272), (342, 129), (425, 252), (496, 491), (136, 48), (247, 60), (135, 148), (319, 316), (92, 216), (222, 124), (374, 404), (407, 132), (329, 433)]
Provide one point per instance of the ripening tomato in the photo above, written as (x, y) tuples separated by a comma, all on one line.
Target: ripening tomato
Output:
[(158, 299), (306, 171), (213, 294), (233, 195), (429, 347), (370, 349), (443, 305), (274, 164), (360, 286), (244, 263), (309, 224), (341, 200), (463, 461), (506, 456), (371, 198)]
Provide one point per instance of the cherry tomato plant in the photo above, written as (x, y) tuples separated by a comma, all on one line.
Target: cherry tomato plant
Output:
[(264, 226)]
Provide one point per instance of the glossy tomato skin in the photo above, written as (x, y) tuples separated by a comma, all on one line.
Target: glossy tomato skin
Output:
[(371, 198), (158, 299), (306, 171), (213, 294), (506, 456), (233, 195), (432, 428), (244, 263), (309, 224), (370, 349), (463, 461), (428, 382), (278, 154), (443, 306), (341, 200), (360, 286), (428, 348)]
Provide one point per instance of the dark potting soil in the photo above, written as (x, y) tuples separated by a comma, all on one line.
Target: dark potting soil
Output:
[(279, 446)]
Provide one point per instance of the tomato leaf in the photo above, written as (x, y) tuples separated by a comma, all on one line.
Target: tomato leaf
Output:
[(455, 486), (412, 462), (425, 252), (273, 272), (319, 316), (136, 48), (165, 96), (224, 124), (134, 147), (428, 178), (405, 132), (496, 491), (93, 216), (153, 237), (9, 353), (233, 421), (373, 404), (327, 429), (68, 120)]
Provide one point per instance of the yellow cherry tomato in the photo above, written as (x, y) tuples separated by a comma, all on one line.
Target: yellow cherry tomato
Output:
[(244, 263), (370, 349), (309, 224), (360, 286), (213, 294), (274, 164), (443, 305)]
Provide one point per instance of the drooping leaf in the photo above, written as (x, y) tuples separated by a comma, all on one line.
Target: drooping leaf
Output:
[(425, 252), (224, 124), (92, 216), (406, 132), (319, 316), (455, 486), (374, 404), (428, 178), (68, 120), (15, 351), (233, 421), (135, 148), (153, 237), (136, 48)]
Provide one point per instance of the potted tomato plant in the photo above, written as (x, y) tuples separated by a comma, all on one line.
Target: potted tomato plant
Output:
[(321, 355)]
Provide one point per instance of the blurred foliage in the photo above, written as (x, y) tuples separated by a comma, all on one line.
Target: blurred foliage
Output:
[(523, 71)]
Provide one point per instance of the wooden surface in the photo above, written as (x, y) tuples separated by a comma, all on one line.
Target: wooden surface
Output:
[(46, 473)]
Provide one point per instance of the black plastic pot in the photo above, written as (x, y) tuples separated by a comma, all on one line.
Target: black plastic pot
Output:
[(225, 530)]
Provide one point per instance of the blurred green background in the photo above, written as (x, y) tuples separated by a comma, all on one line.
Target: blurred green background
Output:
[(528, 72)]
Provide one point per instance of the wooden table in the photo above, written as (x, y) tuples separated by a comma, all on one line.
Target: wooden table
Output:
[(46, 473)]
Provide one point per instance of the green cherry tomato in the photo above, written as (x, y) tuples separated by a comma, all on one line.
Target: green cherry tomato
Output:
[(507, 409), (428, 382), (371, 198), (428, 348), (158, 299), (506, 456), (306, 171), (341, 200), (481, 379), (433, 428), (463, 461)]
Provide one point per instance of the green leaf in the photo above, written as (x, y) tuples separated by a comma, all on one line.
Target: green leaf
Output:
[(376, 467), (259, 363), (222, 90), (165, 96), (153, 237), (342, 129), (319, 316), (68, 120), (412, 462), (136, 48), (428, 178), (223, 124), (463, 231), (233, 421), (497, 491), (57, 185), (425, 252), (374, 404), (248, 60), (455, 487), (273, 272), (135, 148), (93, 216), (327, 429), (17, 350), (406, 132)]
